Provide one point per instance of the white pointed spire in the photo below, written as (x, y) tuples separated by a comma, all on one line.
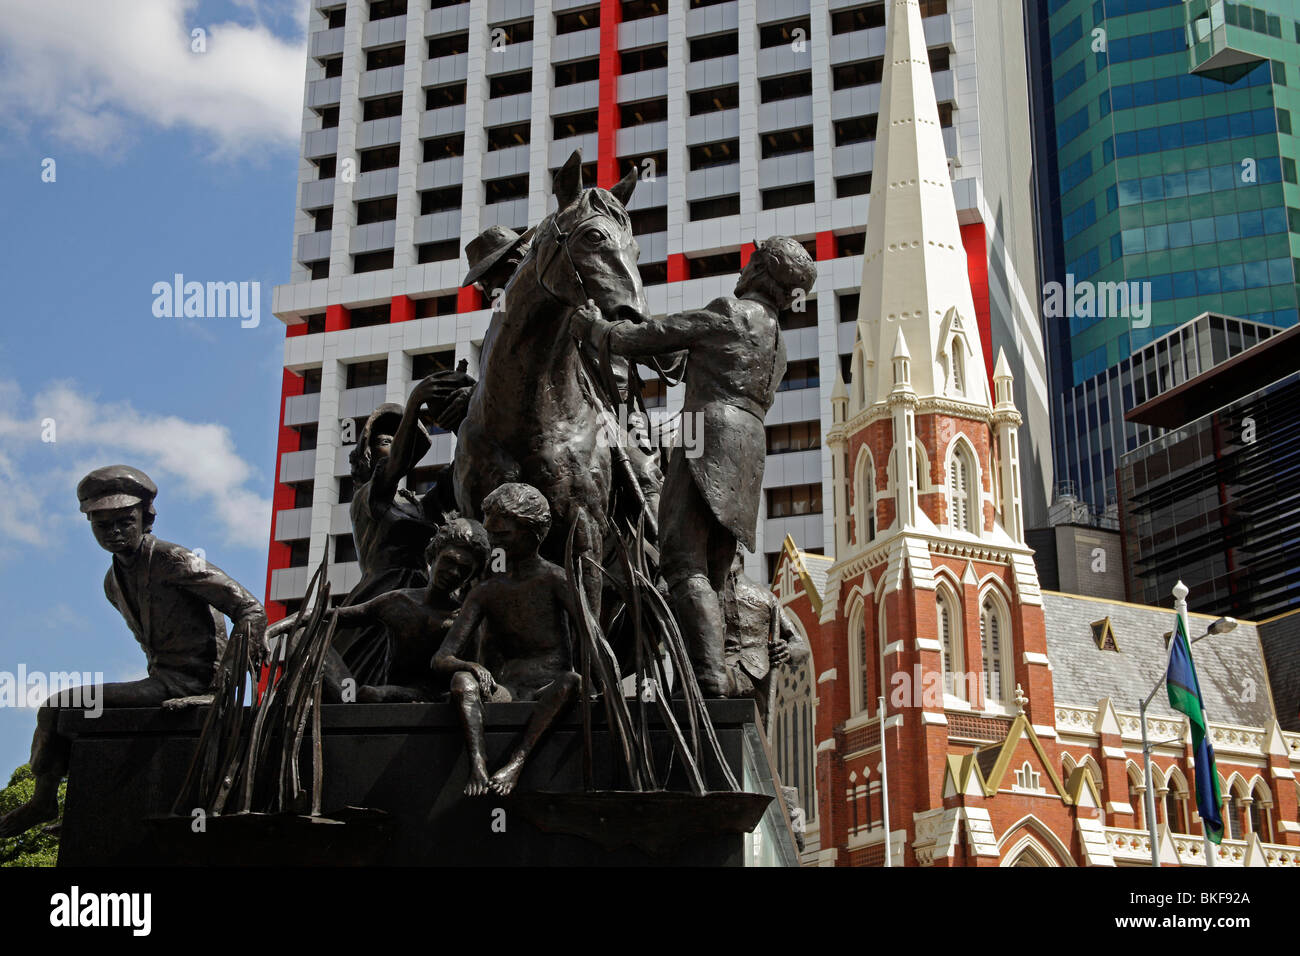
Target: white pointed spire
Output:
[(914, 264)]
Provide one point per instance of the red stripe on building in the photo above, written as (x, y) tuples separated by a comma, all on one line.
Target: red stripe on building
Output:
[(746, 250), (337, 318), (827, 247), (977, 267), (679, 269), (611, 13), (283, 497), (290, 331), (402, 310)]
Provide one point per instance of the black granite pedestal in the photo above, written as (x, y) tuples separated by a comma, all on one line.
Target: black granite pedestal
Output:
[(402, 769)]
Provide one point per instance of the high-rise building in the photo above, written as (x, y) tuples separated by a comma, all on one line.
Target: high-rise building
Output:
[(424, 123), (1214, 501), (1167, 188)]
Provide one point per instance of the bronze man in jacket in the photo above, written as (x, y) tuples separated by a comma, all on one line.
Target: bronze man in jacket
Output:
[(735, 361)]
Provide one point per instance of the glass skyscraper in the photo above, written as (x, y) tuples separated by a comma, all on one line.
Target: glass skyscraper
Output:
[(1168, 168)]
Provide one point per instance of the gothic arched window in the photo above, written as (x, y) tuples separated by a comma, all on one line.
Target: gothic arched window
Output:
[(949, 621), (963, 507), (993, 650)]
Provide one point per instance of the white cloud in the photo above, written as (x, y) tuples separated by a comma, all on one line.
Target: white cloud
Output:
[(89, 72), (192, 462)]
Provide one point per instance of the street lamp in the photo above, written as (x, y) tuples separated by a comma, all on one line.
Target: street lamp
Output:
[(1222, 626)]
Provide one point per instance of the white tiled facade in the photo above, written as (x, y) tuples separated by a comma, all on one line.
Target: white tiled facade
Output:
[(986, 136)]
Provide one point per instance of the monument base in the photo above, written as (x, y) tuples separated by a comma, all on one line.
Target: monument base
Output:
[(394, 785)]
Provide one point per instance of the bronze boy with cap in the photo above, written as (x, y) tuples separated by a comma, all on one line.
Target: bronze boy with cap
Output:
[(172, 600)]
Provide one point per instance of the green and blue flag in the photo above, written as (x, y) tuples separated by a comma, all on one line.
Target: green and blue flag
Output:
[(1185, 697)]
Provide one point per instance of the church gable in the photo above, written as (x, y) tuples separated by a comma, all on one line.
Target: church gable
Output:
[(1019, 764)]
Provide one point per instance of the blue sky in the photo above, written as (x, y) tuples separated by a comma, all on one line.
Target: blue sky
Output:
[(166, 161)]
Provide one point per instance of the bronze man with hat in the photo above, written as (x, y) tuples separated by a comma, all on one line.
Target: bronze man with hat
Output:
[(735, 361), (172, 600)]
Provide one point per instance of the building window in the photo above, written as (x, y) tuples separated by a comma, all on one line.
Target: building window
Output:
[(794, 501), (437, 251), (347, 487), (437, 97), (373, 261), (380, 108), (783, 196), (709, 48), (792, 734), (993, 651), (846, 186), (336, 18), (453, 44), (442, 147), (713, 101), (789, 87), (388, 56), (648, 221), (642, 112), (864, 485), (504, 190), (720, 153), (376, 210), (714, 208), (307, 436), (1027, 778), (866, 17), (521, 31), (653, 273), (801, 374), (572, 21), (329, 117), (958, 369), (333, 67), (575, 124), (345, 549), (366, 374), (797, 436), (719, 264), (1176, 808), (953, 664), (510, 84), (646, 58), (857, 129), (787, 142), (858, 672), (311, 379), (783, 34), (323, 219), (382, 9), (435, 305), (439, 200), (640, 9), (580, 71), (384, 157), (858, 73), (961, 482), (298, 552)]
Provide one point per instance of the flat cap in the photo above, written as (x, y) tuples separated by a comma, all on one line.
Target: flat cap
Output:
[(115, 486)]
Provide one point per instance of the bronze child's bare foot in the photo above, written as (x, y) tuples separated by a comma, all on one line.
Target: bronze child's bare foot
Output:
[(478, 779), (504, 780)]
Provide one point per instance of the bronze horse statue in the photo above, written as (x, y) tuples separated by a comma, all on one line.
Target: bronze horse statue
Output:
[(536, 412)]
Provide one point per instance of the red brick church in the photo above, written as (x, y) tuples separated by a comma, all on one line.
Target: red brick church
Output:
[(1010, 733)]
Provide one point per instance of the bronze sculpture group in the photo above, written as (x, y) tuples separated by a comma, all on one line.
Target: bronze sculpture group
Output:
[(478, 613)]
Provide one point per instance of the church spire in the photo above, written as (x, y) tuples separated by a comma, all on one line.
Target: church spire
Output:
[(914, 272)]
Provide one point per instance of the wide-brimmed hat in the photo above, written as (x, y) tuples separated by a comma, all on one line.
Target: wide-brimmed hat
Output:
[(487, 248), (115, 486), (384, 421)]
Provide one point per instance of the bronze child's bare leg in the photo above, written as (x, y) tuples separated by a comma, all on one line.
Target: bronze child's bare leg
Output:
[(552, 700), (469, 704)]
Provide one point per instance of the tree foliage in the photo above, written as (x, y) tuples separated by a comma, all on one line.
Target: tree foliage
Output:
[(35, 847)]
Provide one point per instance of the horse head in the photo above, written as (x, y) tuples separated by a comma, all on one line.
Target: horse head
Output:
[(586, 250)]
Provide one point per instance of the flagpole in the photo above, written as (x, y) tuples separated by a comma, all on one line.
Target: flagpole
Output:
[(1180, 606), (884, 786)]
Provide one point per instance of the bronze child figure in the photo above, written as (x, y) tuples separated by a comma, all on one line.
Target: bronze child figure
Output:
[(172, 600), (526, 651), (417, 619)]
